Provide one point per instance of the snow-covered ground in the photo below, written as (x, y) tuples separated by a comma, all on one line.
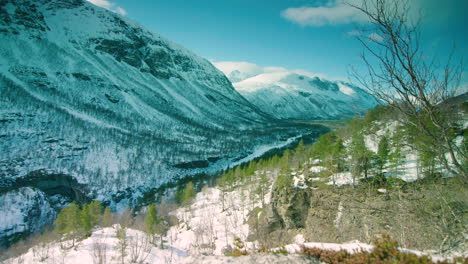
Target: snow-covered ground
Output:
[(215, 218), (206, 228), (102, 245), (407, 170)]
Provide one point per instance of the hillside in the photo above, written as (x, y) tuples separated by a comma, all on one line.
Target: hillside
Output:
[(313, 200), (93, 104)]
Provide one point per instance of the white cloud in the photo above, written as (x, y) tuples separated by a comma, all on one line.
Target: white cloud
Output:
[(331, 13), (372, 36), (335, 12), (121, 11), (109, 5), (354, 33), (375, 37), (238, 71)]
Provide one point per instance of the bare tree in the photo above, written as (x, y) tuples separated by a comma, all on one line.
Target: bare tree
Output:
[(172, 235), (205, 233), (42, 249), (63, 252), (99, 252), (122, 244), (400, 74), (140, 247)]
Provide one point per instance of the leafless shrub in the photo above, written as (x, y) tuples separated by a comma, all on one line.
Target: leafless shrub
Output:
[(122, 244), (41, 252), (99, 251), (140, 247)]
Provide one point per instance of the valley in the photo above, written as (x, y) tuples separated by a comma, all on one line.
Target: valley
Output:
[(118, 145)]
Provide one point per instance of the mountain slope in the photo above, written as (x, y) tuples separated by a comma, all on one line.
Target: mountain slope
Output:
[(287, 94), (92, 103)]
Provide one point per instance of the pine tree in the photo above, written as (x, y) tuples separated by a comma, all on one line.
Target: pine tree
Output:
[(383, 153), (238, 173), (299, 154), (396, 157), (90, 216), (122, 243), (263, 185), (283, 181), (250, 170), (188, 194), (273, 163), (107, 218), (361, 156), (338, 153), (68, 223), (86, 220), (284, 162), (178, 196), (151, 221)]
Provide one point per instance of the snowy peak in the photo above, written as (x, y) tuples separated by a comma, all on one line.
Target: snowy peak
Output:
[(80, 24), (296, 94)]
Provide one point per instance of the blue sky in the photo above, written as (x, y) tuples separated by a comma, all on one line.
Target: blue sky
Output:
[(295, 34)]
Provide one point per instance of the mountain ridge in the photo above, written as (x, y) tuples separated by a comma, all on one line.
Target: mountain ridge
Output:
[(96, 98), (296, 94)]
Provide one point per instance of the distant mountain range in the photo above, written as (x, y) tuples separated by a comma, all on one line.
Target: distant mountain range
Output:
[(295, 94)]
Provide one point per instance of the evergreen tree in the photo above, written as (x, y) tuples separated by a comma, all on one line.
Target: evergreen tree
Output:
[(383, 152), (107, 218), (338, 154), (151, 220), (283, 181), (178, 196), (284, 162), (188, 194), (396, 157), (90, 216), (299, 155), (250, 170), (361, 156), (273, 163), (238, 174), (122, 243), (95, 210), (68, 222), (86, 220), (262, 186)]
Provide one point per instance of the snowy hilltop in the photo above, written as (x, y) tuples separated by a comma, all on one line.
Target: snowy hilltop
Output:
[(296, 94)]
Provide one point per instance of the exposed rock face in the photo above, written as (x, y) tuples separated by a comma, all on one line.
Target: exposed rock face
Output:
[(288, 209), (24, 211), (412, 215), (33, 201)]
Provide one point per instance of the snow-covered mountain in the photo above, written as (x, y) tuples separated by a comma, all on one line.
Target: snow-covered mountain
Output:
[(93, 103), (295, 94)]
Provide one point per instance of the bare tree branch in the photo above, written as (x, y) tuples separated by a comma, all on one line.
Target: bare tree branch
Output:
[(402, 76)]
